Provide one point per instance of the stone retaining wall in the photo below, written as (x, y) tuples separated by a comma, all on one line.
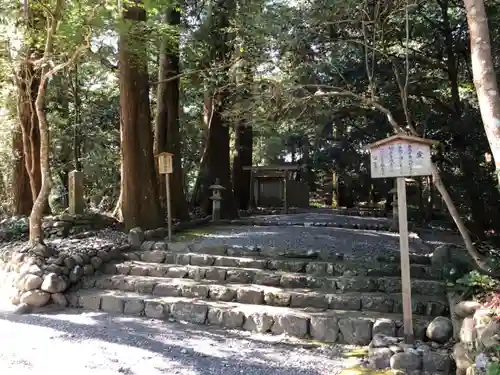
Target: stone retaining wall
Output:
[(34, 276), (56, 226)]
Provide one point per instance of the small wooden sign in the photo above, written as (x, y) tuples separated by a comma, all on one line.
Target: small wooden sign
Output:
[(165, 163), (400, 156)]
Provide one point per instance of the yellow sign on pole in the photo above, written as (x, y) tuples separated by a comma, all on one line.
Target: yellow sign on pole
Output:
[(165, 166)]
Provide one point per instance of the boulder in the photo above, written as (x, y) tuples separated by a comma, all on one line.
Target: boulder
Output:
[(380, 358), (31, 282), (452, 261), (53, 283), (384, 326), (465, 309), (356, 331), (136, 238), (35, 298), (440, 330), (406, 361)]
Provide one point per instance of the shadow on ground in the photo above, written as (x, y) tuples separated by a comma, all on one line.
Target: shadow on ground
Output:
[(174, 348)]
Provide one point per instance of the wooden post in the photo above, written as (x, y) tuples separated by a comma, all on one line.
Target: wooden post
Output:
[(169, 207), (165, 166), (397, 157), (405, 260)]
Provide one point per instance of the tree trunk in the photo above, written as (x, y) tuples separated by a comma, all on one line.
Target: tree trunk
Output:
[(140, 203), (215, 164), (28, 121), (22, 198), (484, 75), (243, 144), (216, 160), (27, 139), (167, 117)]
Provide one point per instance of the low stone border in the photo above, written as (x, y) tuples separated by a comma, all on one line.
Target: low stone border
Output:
[(33, 276), (56, 226), (422, 357)]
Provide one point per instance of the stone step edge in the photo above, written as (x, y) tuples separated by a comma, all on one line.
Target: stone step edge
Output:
[(267, 296), (321, 267), (338, 326), (266, 252), (270, 278), (265, 222)]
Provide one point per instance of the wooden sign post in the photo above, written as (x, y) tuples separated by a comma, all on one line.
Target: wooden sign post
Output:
[(402, 156), (165, 166)]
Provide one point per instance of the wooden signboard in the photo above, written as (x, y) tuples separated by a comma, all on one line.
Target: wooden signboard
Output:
[(402, 156), (165, 164)]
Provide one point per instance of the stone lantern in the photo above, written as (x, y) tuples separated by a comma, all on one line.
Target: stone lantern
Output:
[(216, 198)]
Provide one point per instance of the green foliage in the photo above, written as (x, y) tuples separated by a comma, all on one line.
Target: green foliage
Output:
[(282, 54), (475, 283), (493, 368)]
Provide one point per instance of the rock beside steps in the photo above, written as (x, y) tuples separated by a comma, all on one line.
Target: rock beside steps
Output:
[(334, 301)]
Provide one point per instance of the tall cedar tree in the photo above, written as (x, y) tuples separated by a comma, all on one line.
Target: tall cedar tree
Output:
[(167, 114), (140, 202)]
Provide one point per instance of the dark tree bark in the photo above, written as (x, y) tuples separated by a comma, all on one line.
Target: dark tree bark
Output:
[(30, 133), (140, 203), (243, 144), (27, 140), (215, 162), (167, 117), (22, 198)]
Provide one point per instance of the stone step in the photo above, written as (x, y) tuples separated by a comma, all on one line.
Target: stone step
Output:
[(266, 295), (328, 268), (355, 328), (272, 252), (237, 275)]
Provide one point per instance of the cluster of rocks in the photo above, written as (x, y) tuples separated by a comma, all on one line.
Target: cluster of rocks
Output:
[(478, 330), (17, 227), (35, 275), (422, 357)]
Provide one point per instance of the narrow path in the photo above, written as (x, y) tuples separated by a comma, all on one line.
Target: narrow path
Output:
[(97, 343)]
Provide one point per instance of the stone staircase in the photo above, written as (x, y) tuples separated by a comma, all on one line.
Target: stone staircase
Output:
[(325, 297)]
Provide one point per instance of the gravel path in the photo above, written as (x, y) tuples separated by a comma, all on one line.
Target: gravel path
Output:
[(98, 343), (352, 242)]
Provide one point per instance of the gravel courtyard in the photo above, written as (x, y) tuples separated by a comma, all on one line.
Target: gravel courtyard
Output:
[(97, 343)]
